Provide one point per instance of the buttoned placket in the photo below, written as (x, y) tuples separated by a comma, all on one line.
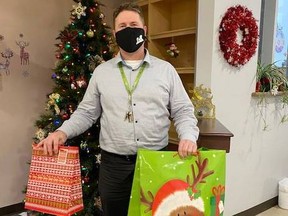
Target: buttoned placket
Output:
[(135, 122), (132, 76)]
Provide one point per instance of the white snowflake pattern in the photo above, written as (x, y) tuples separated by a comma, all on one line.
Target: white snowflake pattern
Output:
[(79, 10), (98, 158), (25, 73)]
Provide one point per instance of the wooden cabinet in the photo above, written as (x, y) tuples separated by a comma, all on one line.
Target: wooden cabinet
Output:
[(213, 135), (173, 21)]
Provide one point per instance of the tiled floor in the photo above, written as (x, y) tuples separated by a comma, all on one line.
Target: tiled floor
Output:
[(275, 211)]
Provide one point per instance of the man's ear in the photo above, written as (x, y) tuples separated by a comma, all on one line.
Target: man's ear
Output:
[(145, 30)]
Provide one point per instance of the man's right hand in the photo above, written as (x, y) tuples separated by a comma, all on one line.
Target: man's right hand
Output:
[(51, 143)]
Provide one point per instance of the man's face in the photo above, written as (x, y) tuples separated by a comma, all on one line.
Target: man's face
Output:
[(128, 19)]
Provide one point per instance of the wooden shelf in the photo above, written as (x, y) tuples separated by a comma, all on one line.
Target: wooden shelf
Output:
[(173, 33), (267, 94), (142, 3), (185, 70), (154, 1)]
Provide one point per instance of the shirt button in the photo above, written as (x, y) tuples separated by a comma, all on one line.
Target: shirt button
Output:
[(137, 139), (136, 121), (134, 104)]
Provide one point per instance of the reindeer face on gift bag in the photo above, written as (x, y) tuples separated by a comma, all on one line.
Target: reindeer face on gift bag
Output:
[(165, 185), (178, 197)]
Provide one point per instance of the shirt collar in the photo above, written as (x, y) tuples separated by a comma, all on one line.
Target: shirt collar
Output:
[(118, 58)]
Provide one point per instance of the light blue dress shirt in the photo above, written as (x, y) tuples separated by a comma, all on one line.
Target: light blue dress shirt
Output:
[(159, 96)]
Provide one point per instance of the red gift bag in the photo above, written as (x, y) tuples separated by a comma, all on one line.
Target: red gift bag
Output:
[(54, 184)]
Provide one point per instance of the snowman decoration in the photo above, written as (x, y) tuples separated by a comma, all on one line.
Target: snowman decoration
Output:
[(177, 197)]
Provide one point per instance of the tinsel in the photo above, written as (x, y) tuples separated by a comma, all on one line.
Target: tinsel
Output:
[(238, 18)]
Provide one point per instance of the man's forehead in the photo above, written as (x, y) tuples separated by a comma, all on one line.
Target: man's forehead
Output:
[(128, 16)]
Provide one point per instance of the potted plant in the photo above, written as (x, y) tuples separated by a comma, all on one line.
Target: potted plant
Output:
[(271, 81), (270, 78)]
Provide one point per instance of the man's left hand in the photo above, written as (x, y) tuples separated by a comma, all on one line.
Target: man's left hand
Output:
[(186, 148)]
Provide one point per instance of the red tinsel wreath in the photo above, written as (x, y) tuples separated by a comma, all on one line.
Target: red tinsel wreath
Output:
[(238, 18)]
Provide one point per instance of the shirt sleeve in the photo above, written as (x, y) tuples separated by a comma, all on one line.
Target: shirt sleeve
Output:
[(182, 109), (87, 112)]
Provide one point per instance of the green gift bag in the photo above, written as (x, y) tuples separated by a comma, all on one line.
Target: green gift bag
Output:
[(166, 185)]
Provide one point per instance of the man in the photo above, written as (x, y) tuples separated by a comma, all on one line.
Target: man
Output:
[(134, 94)]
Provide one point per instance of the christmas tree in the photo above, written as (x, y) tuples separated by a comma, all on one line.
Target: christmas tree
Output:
[(83, 44)]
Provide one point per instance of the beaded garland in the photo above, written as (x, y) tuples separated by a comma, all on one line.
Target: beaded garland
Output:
[(238, 18)]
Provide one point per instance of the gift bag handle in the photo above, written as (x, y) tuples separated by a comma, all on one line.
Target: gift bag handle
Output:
[(62, 153), (193, 153)]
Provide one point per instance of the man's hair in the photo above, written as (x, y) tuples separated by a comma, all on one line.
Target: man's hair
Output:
[(128, 6)]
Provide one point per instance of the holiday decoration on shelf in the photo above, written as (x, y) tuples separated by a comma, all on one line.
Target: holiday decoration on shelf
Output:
[(238, 19), (81, 46), (172, 50), (202, 101)]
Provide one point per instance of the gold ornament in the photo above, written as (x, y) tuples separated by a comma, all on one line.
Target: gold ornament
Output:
[(202, 101), (40, 134), (53, 98), (90, 33)]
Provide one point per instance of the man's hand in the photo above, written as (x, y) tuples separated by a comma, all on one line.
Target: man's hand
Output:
[(51, 143), (186, 148)]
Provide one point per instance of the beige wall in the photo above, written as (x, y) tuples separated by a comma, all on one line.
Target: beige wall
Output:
[(23, 98)]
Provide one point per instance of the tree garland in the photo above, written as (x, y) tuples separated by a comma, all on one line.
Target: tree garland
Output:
[(238, 18)]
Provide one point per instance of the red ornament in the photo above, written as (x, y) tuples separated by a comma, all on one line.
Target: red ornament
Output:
[(86, 179), (235, 19), (65, 116), (81, 82)]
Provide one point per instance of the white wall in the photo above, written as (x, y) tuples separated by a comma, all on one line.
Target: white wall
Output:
[(258, 159)]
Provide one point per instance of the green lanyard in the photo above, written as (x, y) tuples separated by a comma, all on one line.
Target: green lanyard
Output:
[(130, 89)]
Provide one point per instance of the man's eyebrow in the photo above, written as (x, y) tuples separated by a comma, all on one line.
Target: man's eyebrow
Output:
[(124, 23), (135, 22)]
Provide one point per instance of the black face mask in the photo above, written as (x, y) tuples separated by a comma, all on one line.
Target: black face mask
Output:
[(130, 39)]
